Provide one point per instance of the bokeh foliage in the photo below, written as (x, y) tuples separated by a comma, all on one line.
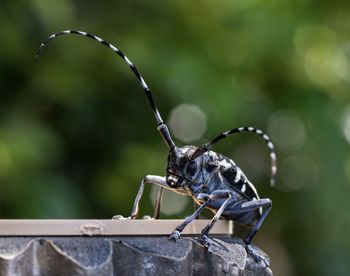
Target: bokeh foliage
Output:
[(77, 134)]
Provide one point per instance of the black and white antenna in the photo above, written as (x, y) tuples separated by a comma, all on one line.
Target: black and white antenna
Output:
[(162, 127), (207, 146)]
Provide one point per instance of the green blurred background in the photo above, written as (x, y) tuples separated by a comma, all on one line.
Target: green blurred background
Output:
[(77, 133)]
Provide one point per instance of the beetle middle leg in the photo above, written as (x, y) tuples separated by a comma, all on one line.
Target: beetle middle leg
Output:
[(217, 195), (177, 232)]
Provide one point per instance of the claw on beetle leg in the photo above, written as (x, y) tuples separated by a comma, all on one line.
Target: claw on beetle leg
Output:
[(120, 217), (175, 235), (206, 242), (258, 258)]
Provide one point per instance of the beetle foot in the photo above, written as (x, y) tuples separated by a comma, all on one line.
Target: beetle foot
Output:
[(258, 258), (206, 242), (175, 235), (120, 217)]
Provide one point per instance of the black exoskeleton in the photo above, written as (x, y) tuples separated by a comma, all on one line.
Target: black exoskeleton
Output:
[(213, 180)]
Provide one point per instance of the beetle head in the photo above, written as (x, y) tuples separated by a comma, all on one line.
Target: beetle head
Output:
[(181, 168)]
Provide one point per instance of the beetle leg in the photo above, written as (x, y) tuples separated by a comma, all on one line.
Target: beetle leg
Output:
[(253, 205), (158, 203), (175, 235), (220, 194), (152, 179)]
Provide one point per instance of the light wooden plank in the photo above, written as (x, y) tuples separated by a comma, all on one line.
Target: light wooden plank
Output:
[(72, 227)]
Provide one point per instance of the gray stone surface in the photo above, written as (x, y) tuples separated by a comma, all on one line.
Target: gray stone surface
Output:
[(125, 256)]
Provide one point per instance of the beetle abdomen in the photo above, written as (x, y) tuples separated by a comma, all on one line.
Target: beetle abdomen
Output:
[(244, 217)]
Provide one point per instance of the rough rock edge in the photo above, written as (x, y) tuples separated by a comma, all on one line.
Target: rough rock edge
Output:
[(125, 256)]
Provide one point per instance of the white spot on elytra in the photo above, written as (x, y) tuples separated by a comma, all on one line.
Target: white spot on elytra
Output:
[(238, 174), (243, 188), (224, 163)]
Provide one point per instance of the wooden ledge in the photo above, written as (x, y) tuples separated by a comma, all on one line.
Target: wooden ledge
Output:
[(127, 227)]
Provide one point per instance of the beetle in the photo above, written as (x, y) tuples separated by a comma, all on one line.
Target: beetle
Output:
[(213, 180)]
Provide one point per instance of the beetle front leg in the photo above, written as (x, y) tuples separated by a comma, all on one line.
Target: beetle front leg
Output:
[(177, 232), (216, 195), (156, 214), (152, 179)]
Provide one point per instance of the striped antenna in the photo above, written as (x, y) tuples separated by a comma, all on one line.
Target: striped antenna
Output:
[(162, 127), (206, 147)]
